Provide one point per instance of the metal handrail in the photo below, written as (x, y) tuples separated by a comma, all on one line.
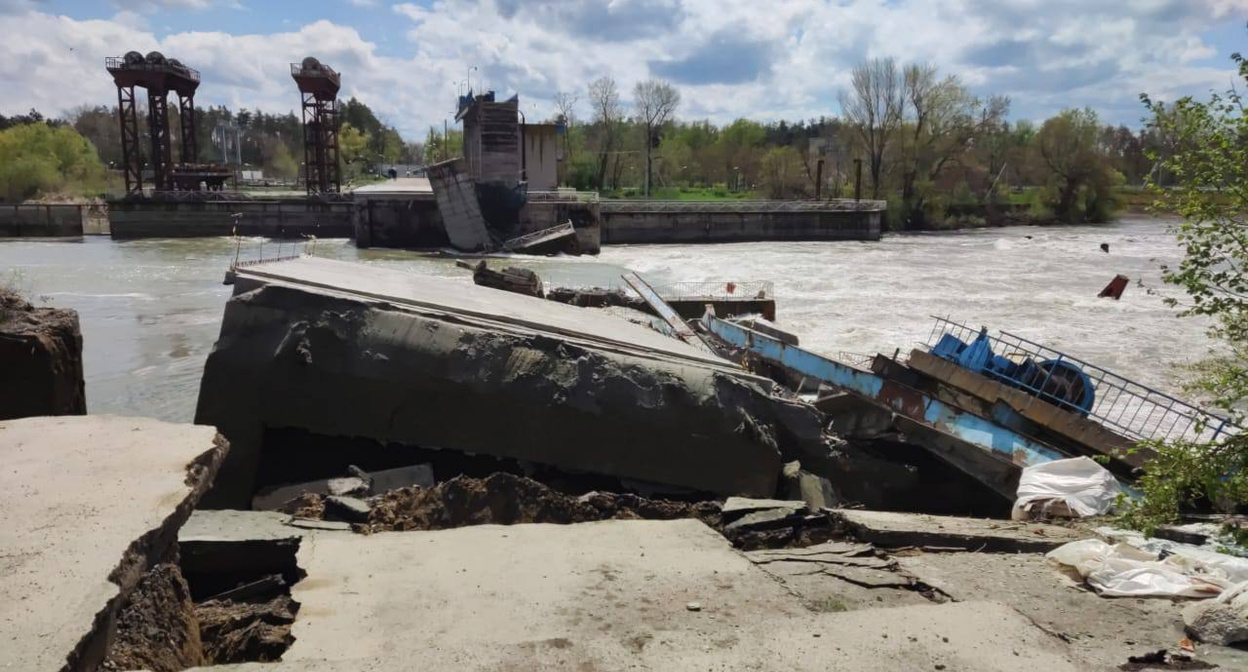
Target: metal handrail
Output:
[(297, 70), (692, 291), (119, 63), (833, 205), (1130, 408)]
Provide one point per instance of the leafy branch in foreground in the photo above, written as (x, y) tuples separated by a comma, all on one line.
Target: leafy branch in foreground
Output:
[(1205, 158)]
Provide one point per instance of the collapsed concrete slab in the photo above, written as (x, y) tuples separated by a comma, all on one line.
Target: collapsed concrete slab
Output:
[(351, 350), (646, 595), (89, 504)]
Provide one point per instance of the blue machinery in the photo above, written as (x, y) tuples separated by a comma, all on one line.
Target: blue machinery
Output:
[(1056, 381)]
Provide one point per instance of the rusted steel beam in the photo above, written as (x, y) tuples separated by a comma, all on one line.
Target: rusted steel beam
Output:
[(660, 307)]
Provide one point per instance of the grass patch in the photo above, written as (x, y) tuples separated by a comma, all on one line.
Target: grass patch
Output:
[(830, 604)]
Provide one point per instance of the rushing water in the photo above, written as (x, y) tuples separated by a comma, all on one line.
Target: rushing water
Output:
[(151, 309)]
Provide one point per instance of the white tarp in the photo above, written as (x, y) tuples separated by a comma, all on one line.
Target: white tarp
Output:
[(1078, 487), (1121, 570)]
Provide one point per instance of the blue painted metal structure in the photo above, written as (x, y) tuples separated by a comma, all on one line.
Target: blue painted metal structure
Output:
[(1056, 381), (1126, 407), (998, 439)]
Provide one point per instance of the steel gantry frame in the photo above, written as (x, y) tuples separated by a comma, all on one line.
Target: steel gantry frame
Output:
[(186, 121), (131, 150), (320, 144)]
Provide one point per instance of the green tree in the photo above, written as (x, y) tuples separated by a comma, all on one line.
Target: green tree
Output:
[(1078, 176), (36, 159), (782, 172), (282, 163), (1207, 164), (353, 148)]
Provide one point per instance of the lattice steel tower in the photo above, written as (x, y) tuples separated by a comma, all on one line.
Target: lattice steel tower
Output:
[(318, 84), (159, 75)]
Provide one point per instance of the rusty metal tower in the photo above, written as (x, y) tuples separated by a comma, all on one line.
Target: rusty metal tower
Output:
[(318, 85), (159, 75)]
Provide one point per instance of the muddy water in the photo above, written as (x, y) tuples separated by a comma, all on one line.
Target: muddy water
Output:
[(151, 309)]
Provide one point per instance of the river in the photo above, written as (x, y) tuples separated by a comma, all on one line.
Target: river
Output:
[(151, 309)]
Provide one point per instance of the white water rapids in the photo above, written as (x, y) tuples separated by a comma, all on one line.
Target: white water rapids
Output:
[(151, 309)]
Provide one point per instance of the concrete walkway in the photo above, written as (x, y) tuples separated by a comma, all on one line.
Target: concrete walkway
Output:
[(647, 595), (88, 504)]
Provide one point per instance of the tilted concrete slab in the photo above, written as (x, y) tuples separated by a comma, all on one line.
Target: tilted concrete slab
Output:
[(494, 307), (88, 504), (893, 530), (349, 350), (608, 596)]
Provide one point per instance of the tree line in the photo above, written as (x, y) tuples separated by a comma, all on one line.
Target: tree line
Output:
[(924, 141), (253, 139), (907, 133)]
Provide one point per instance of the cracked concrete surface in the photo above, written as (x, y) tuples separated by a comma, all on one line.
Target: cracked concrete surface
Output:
[(612, 595), (89, 504)]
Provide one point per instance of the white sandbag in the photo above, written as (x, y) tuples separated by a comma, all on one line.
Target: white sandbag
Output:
[(1078, 487), (1122, 570)]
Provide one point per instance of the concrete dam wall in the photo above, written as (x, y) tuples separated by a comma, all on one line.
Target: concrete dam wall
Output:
[(280, 218), (625, 222), (52, 220)]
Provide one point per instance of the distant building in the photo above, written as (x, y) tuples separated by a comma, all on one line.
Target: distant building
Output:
[(502, 151), (541, 155), (491, 138)]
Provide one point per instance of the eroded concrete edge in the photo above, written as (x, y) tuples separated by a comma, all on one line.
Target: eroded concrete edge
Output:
[(141, 555)]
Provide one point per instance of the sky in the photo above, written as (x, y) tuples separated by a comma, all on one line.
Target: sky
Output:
[(761, 59)]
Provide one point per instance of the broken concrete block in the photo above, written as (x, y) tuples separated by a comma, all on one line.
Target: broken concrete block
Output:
[(347, 509), (799, 484), (420, 475), (743, 505), (350, 486), (340, 349), (764, 518), (1215, 623), (377, 482), (41, 351)]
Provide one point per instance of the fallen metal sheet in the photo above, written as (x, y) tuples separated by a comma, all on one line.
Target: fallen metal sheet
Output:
[(983, 434)]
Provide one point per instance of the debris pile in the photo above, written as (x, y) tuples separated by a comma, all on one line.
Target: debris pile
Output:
[(243, 631), (158, 629), (508, 499)]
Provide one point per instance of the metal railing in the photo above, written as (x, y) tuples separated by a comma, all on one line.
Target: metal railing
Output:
[(322, 70), (834, 205), (759, 290), (857, 360), (563, 196), (119, 63), (1127, 407)]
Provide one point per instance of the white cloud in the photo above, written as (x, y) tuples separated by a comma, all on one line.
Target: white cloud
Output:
[(767, 60)]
